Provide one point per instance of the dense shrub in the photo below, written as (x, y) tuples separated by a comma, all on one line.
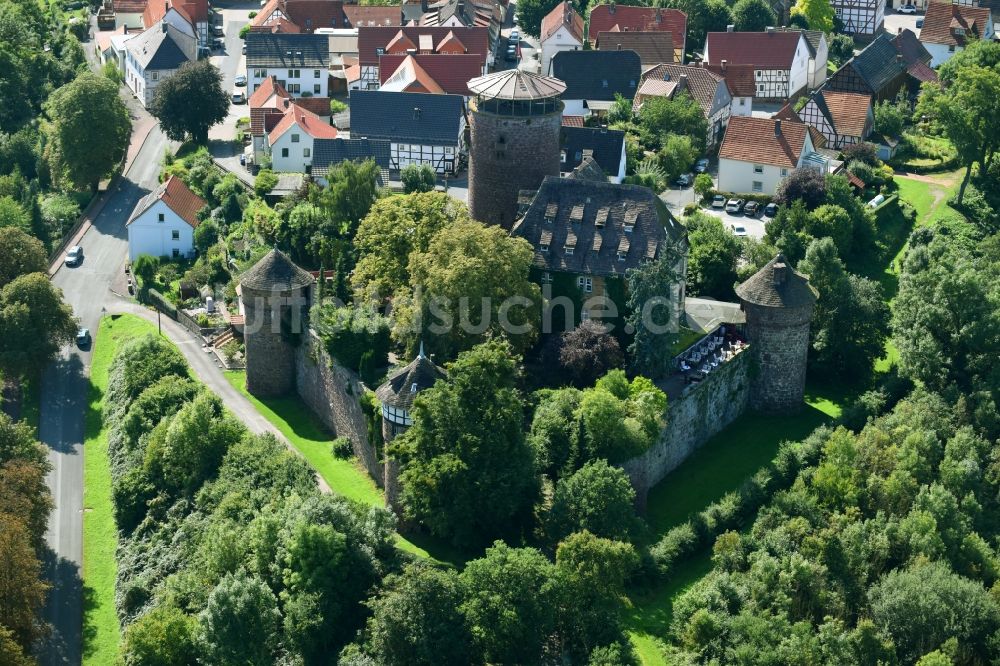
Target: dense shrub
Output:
[(351, 332)]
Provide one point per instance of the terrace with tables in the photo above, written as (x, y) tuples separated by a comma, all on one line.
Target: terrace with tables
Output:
[(696, 363)]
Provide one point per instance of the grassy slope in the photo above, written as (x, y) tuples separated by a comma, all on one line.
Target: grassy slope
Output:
[(100, 535), (294, 420)]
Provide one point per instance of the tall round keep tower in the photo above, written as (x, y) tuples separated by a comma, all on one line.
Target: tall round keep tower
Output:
[(275, 295), (516, 118), (778, 303)]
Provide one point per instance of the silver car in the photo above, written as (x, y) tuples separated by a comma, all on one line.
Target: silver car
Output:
[(74, 256)]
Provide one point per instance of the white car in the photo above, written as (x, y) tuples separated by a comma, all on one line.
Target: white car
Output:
[(241, 80), (718, 201), (74, 256), (239, 97), (735, 206), (739, 230), (908, 9)]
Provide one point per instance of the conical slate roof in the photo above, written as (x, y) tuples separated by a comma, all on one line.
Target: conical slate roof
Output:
[(404, 384), (275, 272), (514, 84), (777, 285)]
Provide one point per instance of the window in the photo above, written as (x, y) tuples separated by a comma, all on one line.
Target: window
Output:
[(294, 73), (743, 101), (543, 247), (260, 73), (159, 217), (760, 89), (784, 172), (628, 228), (315, 73), (316, 89), (176, 252), (757, 186), (448, 150), (295, 138), (622, 255), (758, 73), (154, 75), (306, 152), (758, 168), (586, 284), (562, 155), (175, 235), (547, 277), (379, 50), (951, 48), (568, 250), (293, 88), (284, 152)]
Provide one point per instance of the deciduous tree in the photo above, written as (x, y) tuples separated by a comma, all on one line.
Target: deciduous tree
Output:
[(597, 498), (240, 622), (650, 311), (173, 102), (752, 15), (712, 257), (20, 253), (418, 178), (588, 352), (817, 13), (34, 323)]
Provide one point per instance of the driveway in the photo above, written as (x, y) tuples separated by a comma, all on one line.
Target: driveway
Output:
[(231, 62), (754, 225), (894, 22)]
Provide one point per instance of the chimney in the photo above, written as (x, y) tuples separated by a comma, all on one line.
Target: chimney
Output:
[(770, 29), (619, 46), (899, 31), (163, 25), (724, 63), (899, 58), (730, 28), (777, 127), (779, 273)]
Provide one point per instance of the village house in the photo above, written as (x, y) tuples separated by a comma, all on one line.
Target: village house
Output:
[(375, 42), (163, 222), (186, 15), (128, 13), (290, 143), (306, 16), (819, 52), (707, 88), (947, 29), (885, 67), (758, 153), (429, 73), (422, 128), (328, 153), (299, 62), (593, 78), (780, 60), (562, 30), (741, 84), (863, 19), (466, 14), (843, 118), (653, 47), (612, 17), (154, 55), (587, 234), (605, 146)]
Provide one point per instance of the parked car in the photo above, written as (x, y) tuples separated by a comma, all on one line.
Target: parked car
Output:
[(515, 37), (701, 166), (735, 205), (511, 52), (218, 30), (770, 210), (718, 201), (908, 9), (239, 97), (920, 24), (751, 209), (738, 229), (219, 44), (82, 338), (684, 180), (240, 80), (74, 256)]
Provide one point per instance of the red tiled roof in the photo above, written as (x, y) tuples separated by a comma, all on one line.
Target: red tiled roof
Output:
[(750, 139), (195, 11), (400, 43), (450, 44), (573, 121), (787, 112), (451, 73), (653, 47), (765, 50), (373, 15), (855, 181), (177, 196), (306, 120), (563, 14), (943, 19), (130, 6), (372, 38), (921, 72), (318, 105), (739, 78), (306, 15), (409, 76), (605, 18), (268, 88), (848, 111)]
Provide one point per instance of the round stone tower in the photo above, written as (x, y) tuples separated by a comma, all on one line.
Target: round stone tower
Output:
[(397, 395), (275, 296), (516, 119), (778, 303)]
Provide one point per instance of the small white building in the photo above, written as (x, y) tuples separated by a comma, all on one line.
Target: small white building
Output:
[(758, 153), (291, 142), (947, 29), (155, 54), (562, 30), (163, 223), (299, 62)]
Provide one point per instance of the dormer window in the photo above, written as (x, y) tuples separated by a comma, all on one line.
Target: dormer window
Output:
[(622, 255), (604, 83), (568, 250), (628, 228), (959, 31), (543, 247)]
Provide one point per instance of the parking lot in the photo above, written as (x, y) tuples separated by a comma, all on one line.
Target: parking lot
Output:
[(754, 226)]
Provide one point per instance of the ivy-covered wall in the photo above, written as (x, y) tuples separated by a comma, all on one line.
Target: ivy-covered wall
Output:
[(692, 420)]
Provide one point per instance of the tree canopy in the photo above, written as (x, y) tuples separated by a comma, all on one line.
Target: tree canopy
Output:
[(752, 15), (173, 105)]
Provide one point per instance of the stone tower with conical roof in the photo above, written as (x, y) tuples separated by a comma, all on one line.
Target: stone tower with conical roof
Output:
[(778, 303), (397, 395), (275, 296), (515, 125)]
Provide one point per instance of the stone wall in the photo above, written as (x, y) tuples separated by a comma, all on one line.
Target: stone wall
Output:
[(692, 420), (270, 355), (332, 392), (779, 339)]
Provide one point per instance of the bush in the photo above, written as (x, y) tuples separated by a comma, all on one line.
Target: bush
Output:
[(675, 545), (418, 178), (342, 448), (265, 182), (350, 332), (336, 106)]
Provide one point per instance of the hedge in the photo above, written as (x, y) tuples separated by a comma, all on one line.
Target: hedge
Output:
[(160, 302)]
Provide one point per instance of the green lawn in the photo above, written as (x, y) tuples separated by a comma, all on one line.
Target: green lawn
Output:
[(345, 477), (100, 535)]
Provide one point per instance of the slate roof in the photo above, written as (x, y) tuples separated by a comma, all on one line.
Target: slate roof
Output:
[(847, 111), (652, 47), (785, 288), (402, 387), (437, 72), (266, 49), (372, 38), (597, 75), (588, 169), (177, 196), (943, 19), (605, 144), (157, 49), (422, 118), (750, 139), (764, 50), (701, 83), (328, 153), (603, 210), (608, 17), (909, 46), (814, 38), (275, 272), (563, 14)]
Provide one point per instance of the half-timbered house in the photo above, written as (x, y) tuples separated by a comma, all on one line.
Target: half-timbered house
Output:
[(884, 68), (376, 41), (843, 118), (860, 18), (780, 59)]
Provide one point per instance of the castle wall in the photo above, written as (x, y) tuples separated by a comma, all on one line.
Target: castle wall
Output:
[(270, 356), (333, 393), (780, 343), (691, 421)]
